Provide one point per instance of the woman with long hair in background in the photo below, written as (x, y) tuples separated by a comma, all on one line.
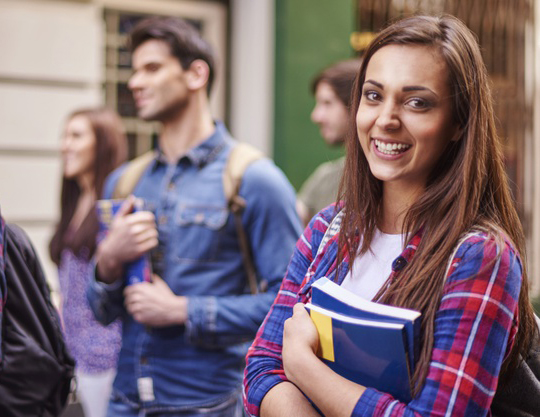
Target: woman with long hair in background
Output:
[(93, 144)]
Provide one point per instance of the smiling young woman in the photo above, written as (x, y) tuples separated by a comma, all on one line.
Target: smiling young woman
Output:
[(424, 164)]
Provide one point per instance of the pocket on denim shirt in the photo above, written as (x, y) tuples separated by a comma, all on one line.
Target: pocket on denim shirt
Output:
[(199, 231)]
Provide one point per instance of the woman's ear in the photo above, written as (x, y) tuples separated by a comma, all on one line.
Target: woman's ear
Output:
[(197, 75), (457, 134)]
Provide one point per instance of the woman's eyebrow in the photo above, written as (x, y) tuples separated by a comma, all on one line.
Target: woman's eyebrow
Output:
[(375, 83), (404, 89), (417, 88)]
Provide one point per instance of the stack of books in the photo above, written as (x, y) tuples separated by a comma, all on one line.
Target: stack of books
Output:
[(139, 270), (372, 344)]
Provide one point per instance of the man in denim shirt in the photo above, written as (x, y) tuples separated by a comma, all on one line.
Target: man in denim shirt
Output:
[(184, 334)]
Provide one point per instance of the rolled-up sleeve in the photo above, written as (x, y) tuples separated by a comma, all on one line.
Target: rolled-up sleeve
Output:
[(106, 300)]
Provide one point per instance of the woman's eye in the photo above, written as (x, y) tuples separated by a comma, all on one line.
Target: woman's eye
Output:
[(371, 95), (419, 103)]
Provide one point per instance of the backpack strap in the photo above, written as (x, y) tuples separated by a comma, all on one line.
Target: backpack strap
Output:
[(132, 174), (241, 156), (461, 240), (332, 230)]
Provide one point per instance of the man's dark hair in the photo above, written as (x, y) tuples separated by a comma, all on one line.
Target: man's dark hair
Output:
[(184, 40), (340, 77)]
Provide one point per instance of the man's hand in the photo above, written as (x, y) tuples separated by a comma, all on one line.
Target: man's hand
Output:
[(130, 235), (154, 304)]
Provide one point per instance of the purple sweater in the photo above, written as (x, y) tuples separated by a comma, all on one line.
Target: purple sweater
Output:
[(94, 346)]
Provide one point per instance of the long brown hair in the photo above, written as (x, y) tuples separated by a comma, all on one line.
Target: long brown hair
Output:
[(467, 188), (111, 151)]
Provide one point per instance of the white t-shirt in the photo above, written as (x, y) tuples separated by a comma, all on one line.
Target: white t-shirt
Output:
[(371, 270)]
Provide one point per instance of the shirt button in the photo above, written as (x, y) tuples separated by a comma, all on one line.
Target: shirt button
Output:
[(144, 360), (162, 219), (399, 263), (171, 186)]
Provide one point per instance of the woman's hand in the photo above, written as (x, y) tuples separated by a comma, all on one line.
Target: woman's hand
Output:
[(333, 394), (300, 343)]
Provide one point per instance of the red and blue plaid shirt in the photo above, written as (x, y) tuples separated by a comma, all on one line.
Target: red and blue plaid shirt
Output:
[(474, 327)]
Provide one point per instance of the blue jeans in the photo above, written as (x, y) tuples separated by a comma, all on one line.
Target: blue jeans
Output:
[(231, 408)]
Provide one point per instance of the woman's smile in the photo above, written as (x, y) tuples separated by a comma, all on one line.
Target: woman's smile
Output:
[(389, 148)]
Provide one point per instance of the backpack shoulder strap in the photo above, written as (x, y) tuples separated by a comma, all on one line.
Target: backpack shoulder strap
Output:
[(132, 174), (461, 240), (241, 156), (333, 229)]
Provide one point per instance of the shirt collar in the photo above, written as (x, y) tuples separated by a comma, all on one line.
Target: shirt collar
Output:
[(204, 152)]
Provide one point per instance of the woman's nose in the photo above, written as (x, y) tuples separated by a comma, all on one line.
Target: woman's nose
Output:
[(388, 118)]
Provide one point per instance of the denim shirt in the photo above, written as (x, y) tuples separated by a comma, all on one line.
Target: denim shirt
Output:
[(200, 363)]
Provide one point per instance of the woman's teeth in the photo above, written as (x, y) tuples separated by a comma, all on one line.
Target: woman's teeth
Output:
[(391, 148)]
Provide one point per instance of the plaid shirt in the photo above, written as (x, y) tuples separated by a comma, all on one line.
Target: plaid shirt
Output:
[(474, 328)]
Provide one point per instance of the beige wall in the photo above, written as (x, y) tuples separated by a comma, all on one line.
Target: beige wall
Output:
[(252, 72), (51, 63)]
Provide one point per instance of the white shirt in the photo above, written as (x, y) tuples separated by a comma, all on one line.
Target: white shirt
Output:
[(371, 270)]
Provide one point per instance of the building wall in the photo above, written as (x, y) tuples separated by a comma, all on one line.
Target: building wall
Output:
[(51, 63), (251, 93)]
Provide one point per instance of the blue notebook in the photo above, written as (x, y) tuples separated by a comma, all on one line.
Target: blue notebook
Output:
[(329, 295), (369, 352), (139, 270)]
